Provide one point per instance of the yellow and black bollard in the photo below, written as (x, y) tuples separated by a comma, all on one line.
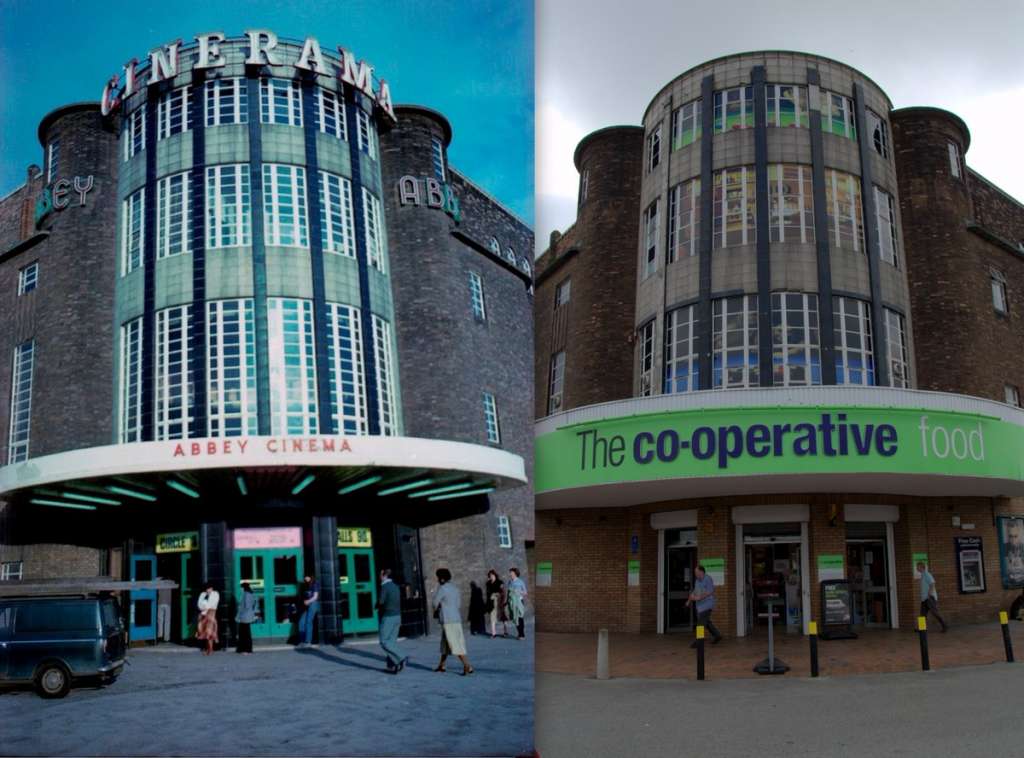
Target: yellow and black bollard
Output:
[(812, 635), (1004, 621), (922, 633), (700, 653)]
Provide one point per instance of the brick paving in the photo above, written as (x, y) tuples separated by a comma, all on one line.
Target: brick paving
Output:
[(655, 656)]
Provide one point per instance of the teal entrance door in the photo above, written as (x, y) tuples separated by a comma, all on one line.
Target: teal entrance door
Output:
[(142, 615), (358, 585), (188, 582), (274, 576)]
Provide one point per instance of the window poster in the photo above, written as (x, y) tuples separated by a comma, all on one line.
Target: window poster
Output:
[(1011, 550)]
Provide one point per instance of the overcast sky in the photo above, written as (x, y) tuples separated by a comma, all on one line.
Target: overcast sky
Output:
[(599, 62)]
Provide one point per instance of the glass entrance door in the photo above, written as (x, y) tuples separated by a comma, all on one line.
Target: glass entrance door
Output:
[(869, 581), (275, 576), (142, 615), (773, 570), (679, 565), (358, 585)]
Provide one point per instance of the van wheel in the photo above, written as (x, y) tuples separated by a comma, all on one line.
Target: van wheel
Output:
[(53, 680)]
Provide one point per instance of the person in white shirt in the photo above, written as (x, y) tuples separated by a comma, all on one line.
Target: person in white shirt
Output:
[(929, 595), (207, 626)]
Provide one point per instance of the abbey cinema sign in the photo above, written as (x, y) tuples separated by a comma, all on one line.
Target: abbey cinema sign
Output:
[(263, 50)]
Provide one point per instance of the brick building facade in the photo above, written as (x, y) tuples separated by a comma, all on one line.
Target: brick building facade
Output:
[(801, 252)]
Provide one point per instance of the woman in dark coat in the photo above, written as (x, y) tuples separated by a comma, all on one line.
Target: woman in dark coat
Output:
[(476, 609), (495, 607)]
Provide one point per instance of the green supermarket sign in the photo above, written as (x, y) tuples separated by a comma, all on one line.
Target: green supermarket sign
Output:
[(778, 440)]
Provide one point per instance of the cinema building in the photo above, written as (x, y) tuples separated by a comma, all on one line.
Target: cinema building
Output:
[(256, 327), (783, 340)]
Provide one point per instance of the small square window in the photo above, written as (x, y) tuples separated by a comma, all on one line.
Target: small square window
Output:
[(504, 532), (28, 278), (13, 571)]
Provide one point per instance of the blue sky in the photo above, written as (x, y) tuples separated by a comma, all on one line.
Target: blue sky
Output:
[(470, 59)]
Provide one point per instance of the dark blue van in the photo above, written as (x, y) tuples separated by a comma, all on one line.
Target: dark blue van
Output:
[(53, 641)]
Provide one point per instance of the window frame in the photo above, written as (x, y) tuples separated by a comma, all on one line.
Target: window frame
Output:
[(774, 112), (896, 340), (997, 280), (215, 99), (879, 130), (134, 133), (724, 186), (885, 219), (331, 105), (686, 123), (845, 355), (173, 363), (28, 278), (645, 358), (271, 89), (8, 575), (854, 212), (680, 234), (651, 229), (387, 373), (721, 350), (1011, 394), (846, 112), (556, 382), (279, 215), (165, 112), (373, 225), (721, 108), (476, 293), (672, 379), (337, 215), (781, 349), (367, 134), (955, 160), (563, 292), (346, 366), (165, 215), (231, 400), (492, 421), (19, 433), (504, 532), (130, 390), (654, 148), (133, 235), (437, 157), (52, 160), (781, 203), (241, 205), (292, 366)]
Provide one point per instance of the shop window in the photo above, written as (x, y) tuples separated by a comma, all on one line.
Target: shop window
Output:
[(173, 215), (786, 105), (790, 203), (734, 342), (11, 571), (491, 418), (280, 102), (345, 362), (1012, 395), (843, 209), (684, 220), (734, 207), (28, 278), (654, 148), (997, 280), (231, 381), (686, 124), (556, 382), (955, 165), (651, 239), (293, 395), (284, 205), (286, 569), (172, 114), (796, 352), (885, 214), (682, 368), (476, 292), (563, 292), (387, 400), (645, 344), (330, 113), (337, 224), (504, 532), (734, 109), (896, 348), (21, 402), (851, 321), (227, 102)]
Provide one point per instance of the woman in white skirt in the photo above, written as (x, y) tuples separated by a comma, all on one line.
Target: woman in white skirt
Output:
[(447, 610)]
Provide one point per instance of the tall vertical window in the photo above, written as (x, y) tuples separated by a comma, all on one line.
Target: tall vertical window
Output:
[(734, 344), (879, 132), (997, 280), (231, 368), (885, 214), (437, 155), (227, 205), (345, 362), (367, 134), (584, 185), (786, 105), (387, 396), (651, 238), (174, 396), (837, 115), (476, 293), (654, 148), (52, 160), (284, 205), (686, 124), (855, 363), (1011, 395), (132, 230), (280, 102), (337, 228), (563, 292), (682, 369), (955, 167), (896, 349), (843, 208), (173, 206), (131, 381), (330, 113), (373, 222), (226, 102), (684, 220), (790, 203), (134, 132), (796, 352), (556, 382), (172, 113), (504, 532), (28, 278), (734, 207), (293, 401), (21, 402), (491, 419), (645, 343), (734, 109)]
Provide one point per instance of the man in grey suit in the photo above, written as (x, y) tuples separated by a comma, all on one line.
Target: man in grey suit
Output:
[(389, 605)]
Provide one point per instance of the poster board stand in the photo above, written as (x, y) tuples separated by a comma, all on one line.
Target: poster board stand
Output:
[(836, 611)]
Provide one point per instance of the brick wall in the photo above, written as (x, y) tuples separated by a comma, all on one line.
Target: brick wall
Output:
[(47, 561)]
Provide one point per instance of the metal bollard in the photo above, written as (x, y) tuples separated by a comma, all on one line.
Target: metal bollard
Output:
[(922, 633), (812, 634), (602, 654), (700, 653), (1004, 621)]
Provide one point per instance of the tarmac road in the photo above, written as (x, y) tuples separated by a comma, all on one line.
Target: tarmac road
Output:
[(321, 701), (971, 711)]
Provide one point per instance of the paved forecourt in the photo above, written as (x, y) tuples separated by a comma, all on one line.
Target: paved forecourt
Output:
[(320, 701)]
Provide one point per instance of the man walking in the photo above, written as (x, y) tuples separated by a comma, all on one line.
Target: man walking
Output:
[(389, 606), (311, 601), (929, 595), (703, 596)]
